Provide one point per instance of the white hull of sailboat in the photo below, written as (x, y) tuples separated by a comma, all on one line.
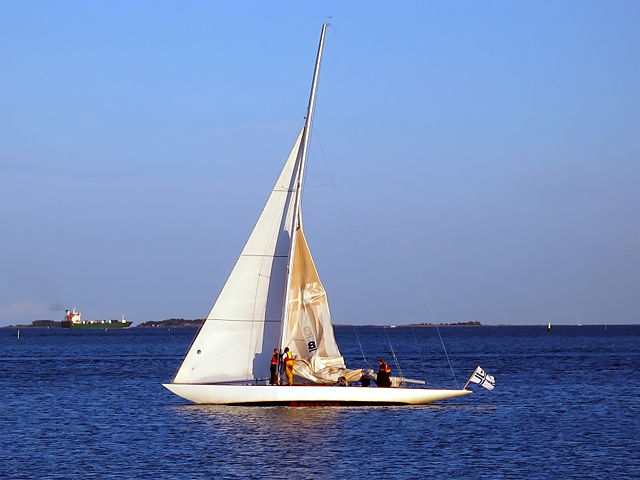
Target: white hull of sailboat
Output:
[(309, 395)]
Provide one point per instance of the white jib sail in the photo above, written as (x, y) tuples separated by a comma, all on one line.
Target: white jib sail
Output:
[(237, 338)]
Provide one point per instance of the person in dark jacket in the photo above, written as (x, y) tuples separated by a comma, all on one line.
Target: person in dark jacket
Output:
[(384, 374), (275, 361)]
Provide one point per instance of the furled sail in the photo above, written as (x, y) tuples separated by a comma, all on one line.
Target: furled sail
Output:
[(309, 332), (237, 338)]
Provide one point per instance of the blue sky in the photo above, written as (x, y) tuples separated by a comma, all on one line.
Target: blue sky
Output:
[(469, 160)]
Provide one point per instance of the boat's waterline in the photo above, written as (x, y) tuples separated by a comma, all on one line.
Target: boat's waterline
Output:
[(309, 395)]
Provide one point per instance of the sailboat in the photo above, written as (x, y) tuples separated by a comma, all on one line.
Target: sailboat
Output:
[(273, 298)]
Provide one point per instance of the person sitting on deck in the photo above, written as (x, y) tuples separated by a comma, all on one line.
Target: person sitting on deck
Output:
[(342, 382), (384, 374)]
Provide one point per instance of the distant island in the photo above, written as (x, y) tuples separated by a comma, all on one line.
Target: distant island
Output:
[(473, 323), (173, 322), (38, 324), (170, 322), (406, 325)]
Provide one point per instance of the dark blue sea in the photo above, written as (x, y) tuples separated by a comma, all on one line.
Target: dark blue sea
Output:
[(89, 404)]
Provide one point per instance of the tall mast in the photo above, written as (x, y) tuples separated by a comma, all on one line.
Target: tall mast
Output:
[(302, 159), (307, 129)]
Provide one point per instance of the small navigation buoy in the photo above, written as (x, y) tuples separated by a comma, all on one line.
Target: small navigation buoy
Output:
[(549, 328)]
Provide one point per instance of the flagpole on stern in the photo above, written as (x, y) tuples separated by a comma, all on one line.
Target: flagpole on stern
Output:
[(469, 381)]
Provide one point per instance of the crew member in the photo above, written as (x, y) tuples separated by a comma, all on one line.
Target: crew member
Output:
[(275, 361), (288, 364), (384, 374)]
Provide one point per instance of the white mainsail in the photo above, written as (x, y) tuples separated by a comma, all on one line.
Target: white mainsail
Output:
[(238, 336), (273, 296)]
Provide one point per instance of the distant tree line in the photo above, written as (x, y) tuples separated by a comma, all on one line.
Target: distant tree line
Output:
[(173, 322), (473, 323), (37, 323), (45, 323)]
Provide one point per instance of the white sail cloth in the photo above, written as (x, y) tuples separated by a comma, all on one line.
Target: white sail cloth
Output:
[(237, 338), (321, 370), (309, 333)]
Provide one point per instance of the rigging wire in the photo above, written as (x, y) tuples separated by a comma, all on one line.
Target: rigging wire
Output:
[(350, 232), (422, 361), (366, 362), (448, 359), (427, 304), (393, 353), (347, 226)]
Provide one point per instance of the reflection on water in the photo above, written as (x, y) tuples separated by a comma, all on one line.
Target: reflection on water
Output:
[(259, 419), (300, 418), (257, 415)]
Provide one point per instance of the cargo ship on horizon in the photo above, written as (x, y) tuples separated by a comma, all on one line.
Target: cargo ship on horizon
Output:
[(73, 319)]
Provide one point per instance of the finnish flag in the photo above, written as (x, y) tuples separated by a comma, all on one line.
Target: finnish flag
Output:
[(483, 379)]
